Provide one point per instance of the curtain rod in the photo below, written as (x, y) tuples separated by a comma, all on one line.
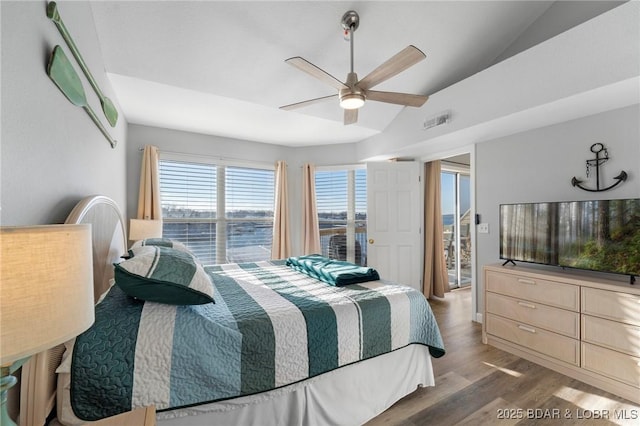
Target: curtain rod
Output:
[(242, 160)]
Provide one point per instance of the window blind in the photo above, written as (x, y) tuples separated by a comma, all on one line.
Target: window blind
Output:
[(249, 197), (361, 197), (341, 200), (222, 213), (331, 197)]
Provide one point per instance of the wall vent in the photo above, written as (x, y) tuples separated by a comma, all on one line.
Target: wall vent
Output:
[(438, 120)]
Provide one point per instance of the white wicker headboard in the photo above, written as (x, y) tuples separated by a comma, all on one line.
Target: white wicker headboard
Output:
[(38, 384), (108, 236)]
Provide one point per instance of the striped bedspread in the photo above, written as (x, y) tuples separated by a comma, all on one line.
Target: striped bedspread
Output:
[(270, 326)]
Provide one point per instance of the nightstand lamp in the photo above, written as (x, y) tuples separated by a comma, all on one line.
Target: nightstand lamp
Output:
[(141, 229), (46, 293)]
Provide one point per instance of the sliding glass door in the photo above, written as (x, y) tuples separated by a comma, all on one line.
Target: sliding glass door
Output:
[(456, 221)]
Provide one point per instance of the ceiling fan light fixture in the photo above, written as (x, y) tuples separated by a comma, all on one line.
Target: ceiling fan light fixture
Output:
[(351, 100), (353, 93)]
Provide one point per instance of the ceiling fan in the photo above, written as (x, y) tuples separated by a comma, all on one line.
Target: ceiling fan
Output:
[(353, 93)]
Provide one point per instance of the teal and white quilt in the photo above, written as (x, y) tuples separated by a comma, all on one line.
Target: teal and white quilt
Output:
[(270, 326)]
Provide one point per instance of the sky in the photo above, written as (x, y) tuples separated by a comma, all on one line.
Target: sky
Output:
[(448, 190)]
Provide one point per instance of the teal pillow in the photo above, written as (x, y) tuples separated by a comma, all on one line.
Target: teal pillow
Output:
[(164, 275)]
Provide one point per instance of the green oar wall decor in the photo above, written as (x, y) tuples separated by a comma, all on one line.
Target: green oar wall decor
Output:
[(107, 106), (66, 78)]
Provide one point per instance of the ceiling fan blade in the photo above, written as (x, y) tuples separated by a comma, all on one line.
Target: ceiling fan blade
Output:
[(350, 116), (407, 57), (396, 98), (308, 102), (314, 71)]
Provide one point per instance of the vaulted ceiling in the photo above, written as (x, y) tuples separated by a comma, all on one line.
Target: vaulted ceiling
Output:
[(218, 67)]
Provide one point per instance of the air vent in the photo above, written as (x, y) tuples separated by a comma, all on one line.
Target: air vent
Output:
[(438, 120)]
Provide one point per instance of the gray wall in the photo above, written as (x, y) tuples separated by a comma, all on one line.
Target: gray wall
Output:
[(538, 166), (52, 154)]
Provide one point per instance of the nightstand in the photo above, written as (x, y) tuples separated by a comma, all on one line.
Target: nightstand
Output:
[(145, 416)]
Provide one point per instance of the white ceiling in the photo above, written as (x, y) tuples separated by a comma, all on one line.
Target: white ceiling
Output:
[(218, 67)]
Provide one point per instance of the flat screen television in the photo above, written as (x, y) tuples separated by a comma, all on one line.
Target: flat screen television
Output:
[(597, 235)]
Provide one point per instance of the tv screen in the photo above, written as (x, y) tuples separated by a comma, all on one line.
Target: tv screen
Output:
[(598, 235)]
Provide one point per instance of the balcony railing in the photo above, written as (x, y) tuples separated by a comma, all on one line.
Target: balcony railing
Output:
[(333, 244), (243, 240), (250, 241)]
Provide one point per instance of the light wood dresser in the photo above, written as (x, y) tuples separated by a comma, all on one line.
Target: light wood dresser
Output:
[(584, 327)]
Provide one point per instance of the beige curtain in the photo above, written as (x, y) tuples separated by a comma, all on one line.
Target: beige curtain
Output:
[(281, 245), (310, 226), (149, 206), (435, 276)]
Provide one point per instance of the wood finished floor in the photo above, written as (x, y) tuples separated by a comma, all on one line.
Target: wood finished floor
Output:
[(476, 382)]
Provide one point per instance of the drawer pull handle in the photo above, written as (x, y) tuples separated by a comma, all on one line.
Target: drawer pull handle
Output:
[(525, 328), (525, 281), (527, 305)]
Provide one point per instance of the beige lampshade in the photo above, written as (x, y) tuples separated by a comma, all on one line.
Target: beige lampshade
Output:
[(46, 287), (141, 229)]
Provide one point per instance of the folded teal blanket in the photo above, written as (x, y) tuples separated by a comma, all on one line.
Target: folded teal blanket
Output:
[(334, 272)]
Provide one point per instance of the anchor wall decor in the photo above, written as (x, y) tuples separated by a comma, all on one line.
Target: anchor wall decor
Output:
[(601, 157)]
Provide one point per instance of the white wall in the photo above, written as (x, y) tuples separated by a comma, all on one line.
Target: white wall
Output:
[(52, 154), (538, 165)]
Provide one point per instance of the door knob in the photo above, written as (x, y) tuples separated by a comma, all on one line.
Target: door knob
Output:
[(371, 241)]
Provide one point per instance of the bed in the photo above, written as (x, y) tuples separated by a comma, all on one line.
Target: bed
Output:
[(334, 355)]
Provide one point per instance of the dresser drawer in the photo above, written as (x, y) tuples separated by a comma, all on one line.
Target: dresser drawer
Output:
[(552, 293), (614, 335), (536, 314), (622, 307), (545, 342), (615, 365)]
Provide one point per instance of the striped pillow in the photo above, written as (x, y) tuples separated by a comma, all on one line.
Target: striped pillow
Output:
[(164, 275), (162, 242)]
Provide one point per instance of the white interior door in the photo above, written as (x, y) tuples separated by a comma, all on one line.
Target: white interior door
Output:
[(394, 213)]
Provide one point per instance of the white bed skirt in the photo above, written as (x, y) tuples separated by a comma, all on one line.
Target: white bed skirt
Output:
[(349, 396)]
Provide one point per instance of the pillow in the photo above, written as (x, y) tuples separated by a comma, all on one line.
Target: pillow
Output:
[(164, 275), (162, 242)]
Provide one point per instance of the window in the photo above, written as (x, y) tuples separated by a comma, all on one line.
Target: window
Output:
[(341, 198), (222, 212)]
